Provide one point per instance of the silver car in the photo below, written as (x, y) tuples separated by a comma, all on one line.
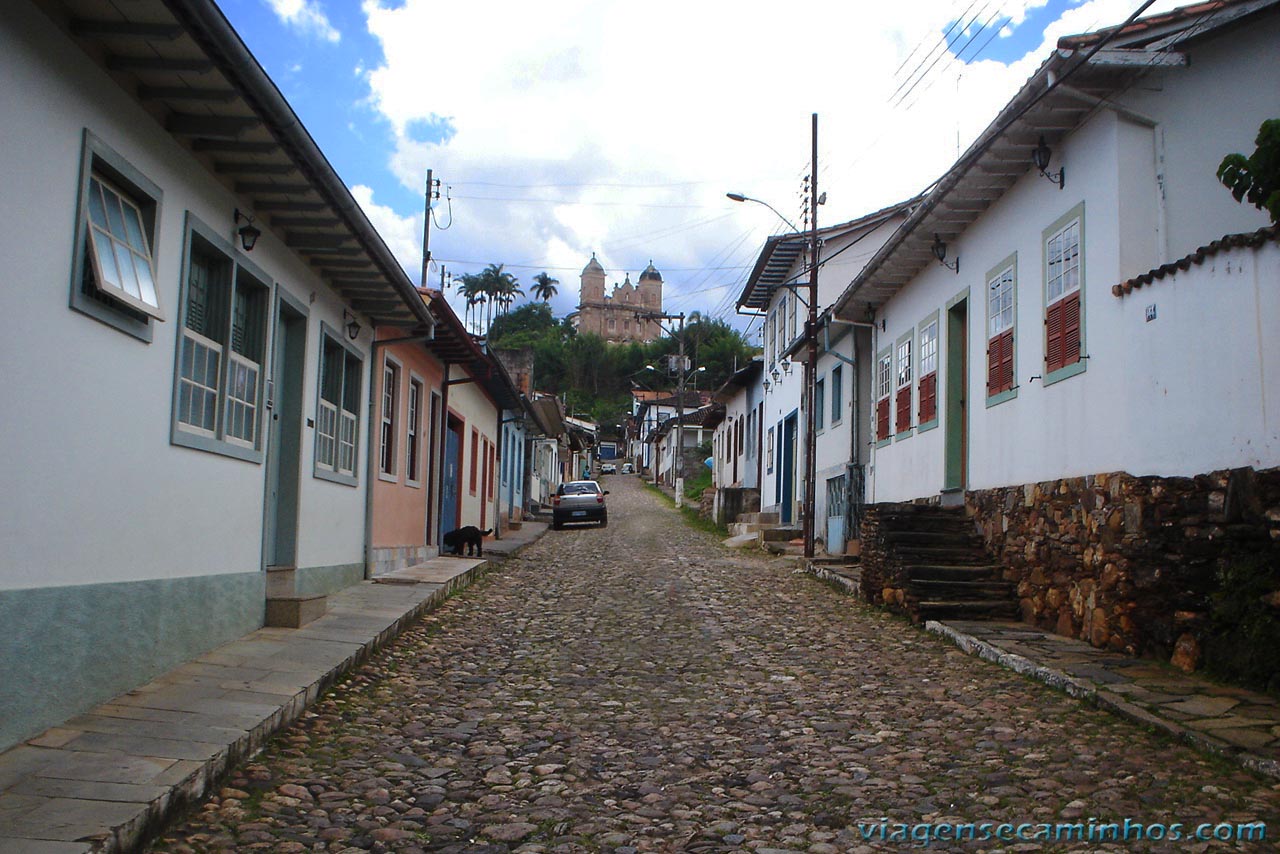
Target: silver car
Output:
[(579, 501)]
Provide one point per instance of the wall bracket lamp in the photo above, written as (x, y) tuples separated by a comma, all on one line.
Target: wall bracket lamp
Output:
[(939, 248), (353, 325), (1040, 157), (249, 233)]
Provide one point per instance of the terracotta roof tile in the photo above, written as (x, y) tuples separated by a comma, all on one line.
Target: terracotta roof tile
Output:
[(1249, 239)]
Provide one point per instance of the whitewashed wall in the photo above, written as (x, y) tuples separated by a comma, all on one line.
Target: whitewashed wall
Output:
[(470, 402)]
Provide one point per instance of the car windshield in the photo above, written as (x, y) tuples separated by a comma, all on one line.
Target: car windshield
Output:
[(579, 487)]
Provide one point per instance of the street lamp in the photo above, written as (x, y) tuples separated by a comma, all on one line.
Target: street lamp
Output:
[(738, 197)]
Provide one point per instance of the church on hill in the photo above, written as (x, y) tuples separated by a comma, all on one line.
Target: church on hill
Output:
[(617, 317)]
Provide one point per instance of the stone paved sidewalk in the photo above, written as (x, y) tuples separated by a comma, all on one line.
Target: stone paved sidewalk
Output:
[(1235, 722), (103, 781)]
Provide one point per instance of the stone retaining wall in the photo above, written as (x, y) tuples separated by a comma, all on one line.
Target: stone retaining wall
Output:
[(1128, 563)]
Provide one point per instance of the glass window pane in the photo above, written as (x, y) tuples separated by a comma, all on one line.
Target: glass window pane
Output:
[(97, 213), (115, 218), (146, 284), (106, 260), (133, 227), (128, 278)]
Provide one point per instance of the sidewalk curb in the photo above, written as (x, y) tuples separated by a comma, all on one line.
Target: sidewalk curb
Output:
[(1104, 699)]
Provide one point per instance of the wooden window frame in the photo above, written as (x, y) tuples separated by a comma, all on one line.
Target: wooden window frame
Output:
[(475, 460), (344, 413), (928, 360), (413, 422), (99, 160), (1064, 311), (904, 367), (882, 418), (837, 395), (237, 333), (819, 404), (1001, 337), (389, 420)]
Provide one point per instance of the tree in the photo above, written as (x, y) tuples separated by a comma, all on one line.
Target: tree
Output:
[(491, 287), (1256, 177), (544, 287)]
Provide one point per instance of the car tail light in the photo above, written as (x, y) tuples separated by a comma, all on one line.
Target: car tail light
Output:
[(599, 499), (555, 501)]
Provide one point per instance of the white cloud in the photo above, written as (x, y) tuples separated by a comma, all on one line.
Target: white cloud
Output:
[(307, 16), (692, 99)]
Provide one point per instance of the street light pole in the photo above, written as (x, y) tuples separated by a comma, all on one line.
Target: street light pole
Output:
[(811, 363)]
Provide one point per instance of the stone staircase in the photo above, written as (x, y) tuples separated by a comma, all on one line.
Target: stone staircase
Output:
[(286, 608), (933, 565), (771, 535)]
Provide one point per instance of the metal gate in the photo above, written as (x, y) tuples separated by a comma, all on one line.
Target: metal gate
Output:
[(836, 512)]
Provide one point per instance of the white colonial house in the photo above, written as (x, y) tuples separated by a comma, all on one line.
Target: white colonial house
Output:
[(1074, 333), (777, 289), (1022, 365), (187, 373)]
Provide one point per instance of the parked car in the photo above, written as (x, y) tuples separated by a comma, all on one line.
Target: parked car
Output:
[(579, 501), (627, 468), (608, 468)]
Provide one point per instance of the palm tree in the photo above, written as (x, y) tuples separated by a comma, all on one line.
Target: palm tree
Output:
[(496, 284), (544, 287)]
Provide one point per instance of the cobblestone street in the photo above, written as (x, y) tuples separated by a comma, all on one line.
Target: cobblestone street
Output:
[(641, 688)]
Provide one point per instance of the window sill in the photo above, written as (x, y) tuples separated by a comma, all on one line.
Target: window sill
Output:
[(903, 434), (927, 426), (199, 442), (413, 484), (387, 478), (1065, 373), (1001, 397), (335, 477), (882, 443)]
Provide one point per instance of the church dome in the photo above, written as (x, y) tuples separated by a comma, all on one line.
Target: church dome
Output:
[(650, 273), (593, 266)]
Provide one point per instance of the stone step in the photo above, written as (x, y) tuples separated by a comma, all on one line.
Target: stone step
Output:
[(910, 522), (294, 612), (966, 610), (281, 581), (945, 572), (783, 548), (914, 555), (760, 518), (780, 534), (832, 560), (964, 539), (514, 525), (737, 529), (932, 590)]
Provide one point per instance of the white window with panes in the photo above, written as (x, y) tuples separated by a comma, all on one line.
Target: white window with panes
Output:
[(1062, 297), (221, 351), (902, 415), (390, 418), (884, 389), (118, 250), (1000, 289), (413, 433), (337, 414), (928, 373)]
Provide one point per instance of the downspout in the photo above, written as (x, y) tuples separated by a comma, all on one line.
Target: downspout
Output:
[(437, 500), (368, 463)]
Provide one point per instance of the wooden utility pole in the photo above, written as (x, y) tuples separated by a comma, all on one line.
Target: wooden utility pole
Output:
[(811, 362)]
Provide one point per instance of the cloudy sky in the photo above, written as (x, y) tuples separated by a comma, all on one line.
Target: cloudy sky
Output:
[(568, 127)]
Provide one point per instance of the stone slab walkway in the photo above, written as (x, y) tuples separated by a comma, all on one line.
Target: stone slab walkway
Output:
[(103, 781), (1233, 722)]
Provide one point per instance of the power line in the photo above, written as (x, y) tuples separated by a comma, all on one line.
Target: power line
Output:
[(572, 203)]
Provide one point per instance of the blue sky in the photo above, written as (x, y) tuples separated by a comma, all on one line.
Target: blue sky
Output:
[(582, 127)]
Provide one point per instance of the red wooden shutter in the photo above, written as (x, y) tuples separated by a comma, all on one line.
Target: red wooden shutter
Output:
[(1071, 329), (882, 419), (993, 366), (904, 409), (928, 397), (1006, 361), (1053, 351)]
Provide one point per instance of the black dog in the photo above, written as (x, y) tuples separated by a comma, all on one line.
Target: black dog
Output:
[(470, 536)]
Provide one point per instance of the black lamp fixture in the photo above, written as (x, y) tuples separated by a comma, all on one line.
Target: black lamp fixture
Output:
[(1040, 156), (249, 233), (353, 325), (940, 252)]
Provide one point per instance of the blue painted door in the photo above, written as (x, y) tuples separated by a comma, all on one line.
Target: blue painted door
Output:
[(449, 483)]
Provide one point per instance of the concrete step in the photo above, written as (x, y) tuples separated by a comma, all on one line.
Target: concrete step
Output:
[(760, 518), (294, 612), (783, 548), (514, 525), (780, 534), (281, 581), (737, 529)]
